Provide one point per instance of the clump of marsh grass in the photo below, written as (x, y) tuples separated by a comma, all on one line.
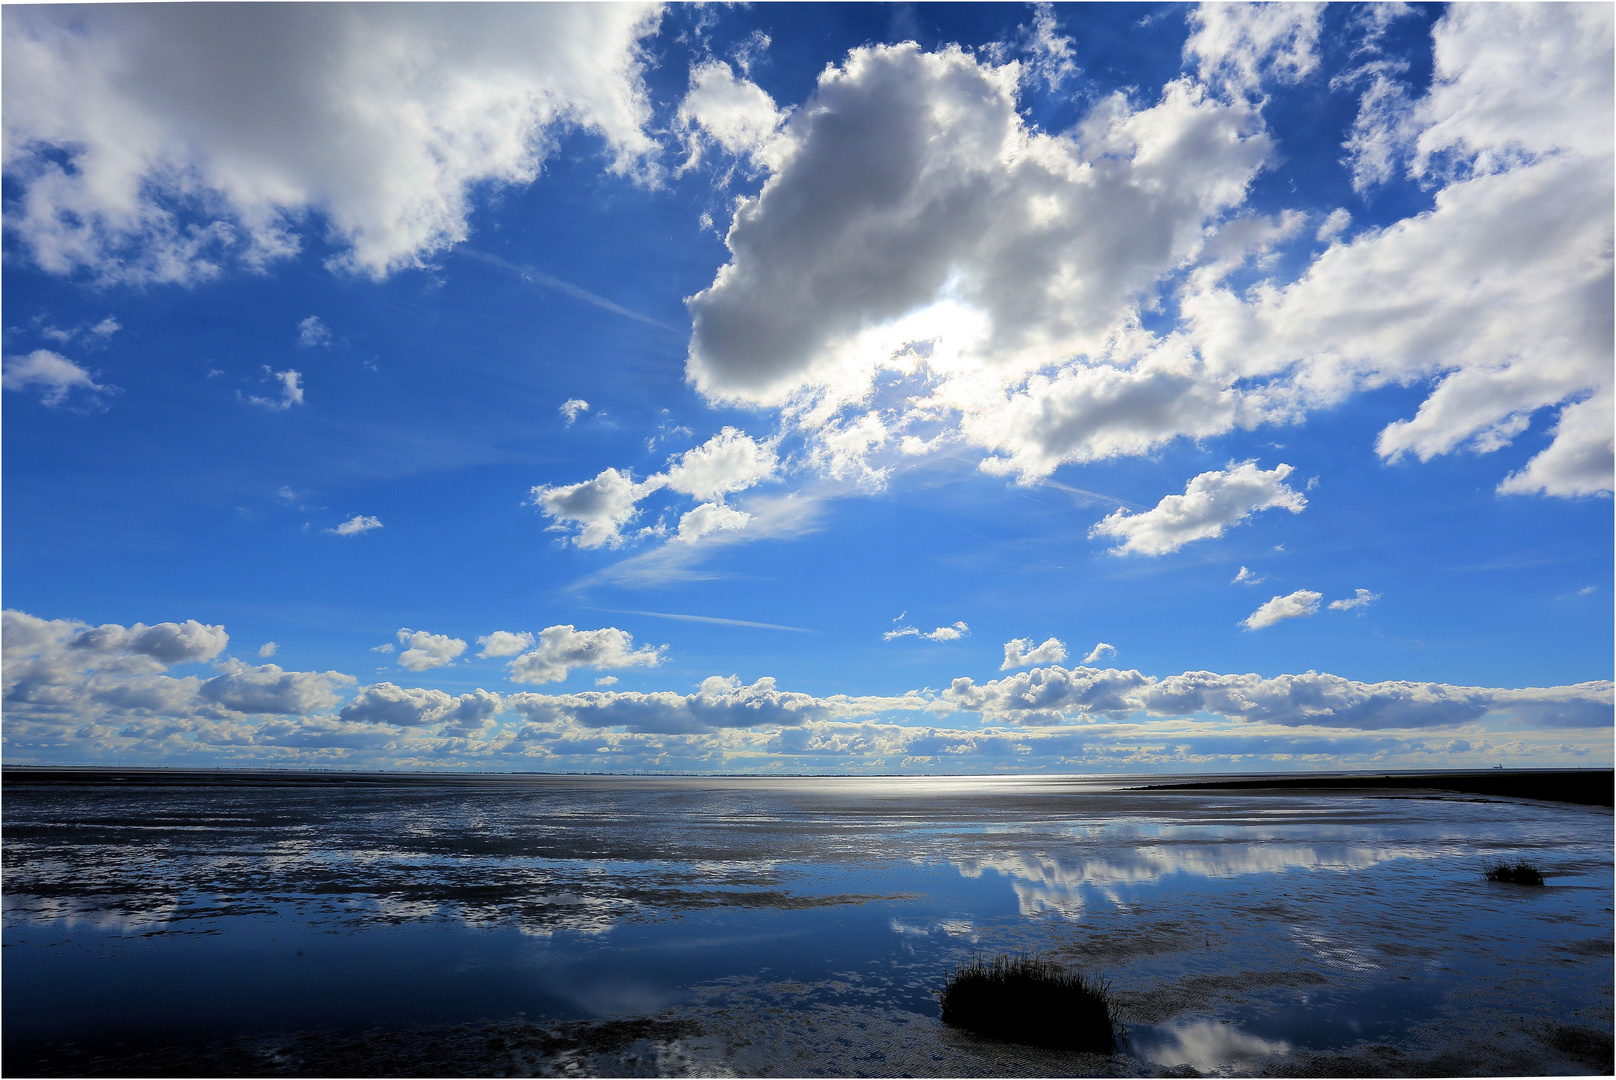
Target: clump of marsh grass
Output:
[(1520, 872), (1027, 1000)]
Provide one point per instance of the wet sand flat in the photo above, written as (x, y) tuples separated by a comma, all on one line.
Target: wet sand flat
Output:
[(304, 925)]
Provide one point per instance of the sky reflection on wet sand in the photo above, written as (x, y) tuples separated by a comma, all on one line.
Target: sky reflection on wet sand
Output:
[(801, 927)]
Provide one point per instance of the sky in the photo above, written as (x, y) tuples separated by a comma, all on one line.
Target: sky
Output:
[(808, 388)]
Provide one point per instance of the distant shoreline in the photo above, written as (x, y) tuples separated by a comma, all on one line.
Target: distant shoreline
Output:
[(1587, 787)]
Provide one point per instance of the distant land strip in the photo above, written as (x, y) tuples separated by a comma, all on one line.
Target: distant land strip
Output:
[(1586, 787)]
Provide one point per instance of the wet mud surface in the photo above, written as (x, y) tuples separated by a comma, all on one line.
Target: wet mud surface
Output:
[(599, 926)]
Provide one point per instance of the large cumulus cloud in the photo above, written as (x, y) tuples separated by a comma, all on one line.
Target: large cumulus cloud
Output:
[(163, 142), (913, 226)]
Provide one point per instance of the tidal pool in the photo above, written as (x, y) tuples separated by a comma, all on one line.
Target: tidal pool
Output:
[(683, 926)]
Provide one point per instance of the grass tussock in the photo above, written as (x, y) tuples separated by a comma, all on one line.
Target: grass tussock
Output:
[(1520, 872), (1026, 1000)]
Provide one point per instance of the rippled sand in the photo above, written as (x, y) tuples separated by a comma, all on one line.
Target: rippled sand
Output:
[(571, 925)]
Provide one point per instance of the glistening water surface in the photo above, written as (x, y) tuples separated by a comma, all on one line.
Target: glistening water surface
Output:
[(792, 926)]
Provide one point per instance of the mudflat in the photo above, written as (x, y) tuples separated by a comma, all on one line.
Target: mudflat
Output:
[(187, 923)]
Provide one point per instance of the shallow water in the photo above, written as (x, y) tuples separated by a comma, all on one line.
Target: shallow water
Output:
[(794, 927)]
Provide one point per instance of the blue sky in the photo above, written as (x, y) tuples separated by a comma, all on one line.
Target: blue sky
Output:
[(808, 388)]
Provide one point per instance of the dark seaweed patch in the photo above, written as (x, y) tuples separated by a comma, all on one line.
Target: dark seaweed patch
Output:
[(1024, 999)]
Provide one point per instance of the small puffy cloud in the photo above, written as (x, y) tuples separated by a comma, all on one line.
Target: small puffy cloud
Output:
[(423, 651), (1211, 503), (1048, 693), (599, 508), (312, 332), (357, 524), (243, 688), (291, 391), (562, 648), (1049, 51), (1021, 652), (1300, 603), (1098, 653), (54, 376), (267, 649), (1334, 225), (1362, 600), (728, 462), (387, 703), (385, 647), (106, 327), (165, 644), (942, 633), (709, 518), (719, 109), (505, 643), (1246, 577), (1241, 45), (572, 408), (606, 680)]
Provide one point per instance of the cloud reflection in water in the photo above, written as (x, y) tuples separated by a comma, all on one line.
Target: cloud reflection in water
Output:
[(1044, 884)]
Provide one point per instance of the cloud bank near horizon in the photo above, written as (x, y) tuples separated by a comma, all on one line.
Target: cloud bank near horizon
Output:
[(76, 693)]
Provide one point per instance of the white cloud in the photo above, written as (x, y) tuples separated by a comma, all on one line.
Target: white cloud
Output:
[(733, 114), (1334, 225), (1054, 693), (572, 408), (357, 524), (1362, 600), (267, 649), (1050, 51), (1098, 653), (606, 680), (847, 258), (1242, 44), (942, 633), (1294, 606), (202, 137), (291, 391), (1021, 652), (311, 332), (1500, 292), (75, 690), (1049, 693), (505, 643), (243, 688), (1017, 312), (709, 518), (423, 650), (1246, 577), (720, 703), (106, 327), (601, 507), (562, 648), (66, 672), (53, 375), (387, 703), (728, 462), (385, 647), (1211, 503)]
